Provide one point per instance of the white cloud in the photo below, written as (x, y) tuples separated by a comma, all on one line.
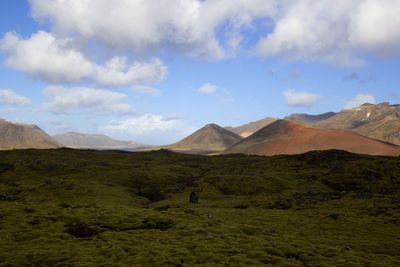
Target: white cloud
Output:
[(300, 99), (339, 32), (374, 25), (145, 124), (149, 128), (359, 100), (145, 90), (57, 60), (62, 99), (8, 97), (117, 73), (207, 89), (334, 31), (44, 56), (186, 25)]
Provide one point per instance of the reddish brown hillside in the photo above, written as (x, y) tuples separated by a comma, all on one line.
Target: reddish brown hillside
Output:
[(284, 137)]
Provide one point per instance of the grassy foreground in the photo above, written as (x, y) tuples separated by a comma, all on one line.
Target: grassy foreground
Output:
[(108, 208)]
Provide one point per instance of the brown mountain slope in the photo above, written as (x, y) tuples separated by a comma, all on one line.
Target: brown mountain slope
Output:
[(22, 136), (285, 137), (250, 128), (209, 139), (309, 119), (93, 141), (381, 121)]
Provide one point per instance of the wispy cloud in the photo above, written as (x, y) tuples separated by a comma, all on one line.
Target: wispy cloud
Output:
[(354, 76), (8, 97), (207, 89), (300, 99), (144, 124), (146, 90)]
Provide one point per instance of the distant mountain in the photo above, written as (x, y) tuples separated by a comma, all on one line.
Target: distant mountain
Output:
[(381, 121), (285, 137), (209, 139), (250, 128), (309, 119), (23, 136), (93, 141)]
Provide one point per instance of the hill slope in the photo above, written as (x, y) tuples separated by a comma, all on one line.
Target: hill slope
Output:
[(284, 137), (93, 141), (310, 119), (209, 139), (381, 121), (22, 136), (251, 127)]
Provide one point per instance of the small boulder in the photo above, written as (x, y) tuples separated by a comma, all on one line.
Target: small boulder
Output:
[(194, 198)]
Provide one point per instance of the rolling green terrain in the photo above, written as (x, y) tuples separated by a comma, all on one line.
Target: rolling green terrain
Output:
[(69, 207)]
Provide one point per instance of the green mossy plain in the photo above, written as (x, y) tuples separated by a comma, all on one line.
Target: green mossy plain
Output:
[(69, 207)]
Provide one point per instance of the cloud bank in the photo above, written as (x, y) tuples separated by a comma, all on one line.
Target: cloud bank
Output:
[(189, 25), (335, 32), (56, 60)]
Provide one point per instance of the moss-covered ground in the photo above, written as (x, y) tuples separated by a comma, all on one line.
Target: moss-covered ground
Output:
[(110, 208)]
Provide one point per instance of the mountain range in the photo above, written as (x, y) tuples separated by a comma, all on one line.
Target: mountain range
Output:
[(310, 119), (380, 121), (367, 129), (94, 141), (286, 137)]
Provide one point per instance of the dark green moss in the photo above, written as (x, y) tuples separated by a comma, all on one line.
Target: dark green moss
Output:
[(107, 208)]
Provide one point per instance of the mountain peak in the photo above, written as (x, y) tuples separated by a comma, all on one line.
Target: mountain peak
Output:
[(208, 139), (251, 127), (309, 119), (23, 136), (366, 105), (212, 125)]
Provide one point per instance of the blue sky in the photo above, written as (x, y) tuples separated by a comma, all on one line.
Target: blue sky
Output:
[(140, 71)]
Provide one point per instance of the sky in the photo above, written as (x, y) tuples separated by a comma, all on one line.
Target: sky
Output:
[(154, 71)]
